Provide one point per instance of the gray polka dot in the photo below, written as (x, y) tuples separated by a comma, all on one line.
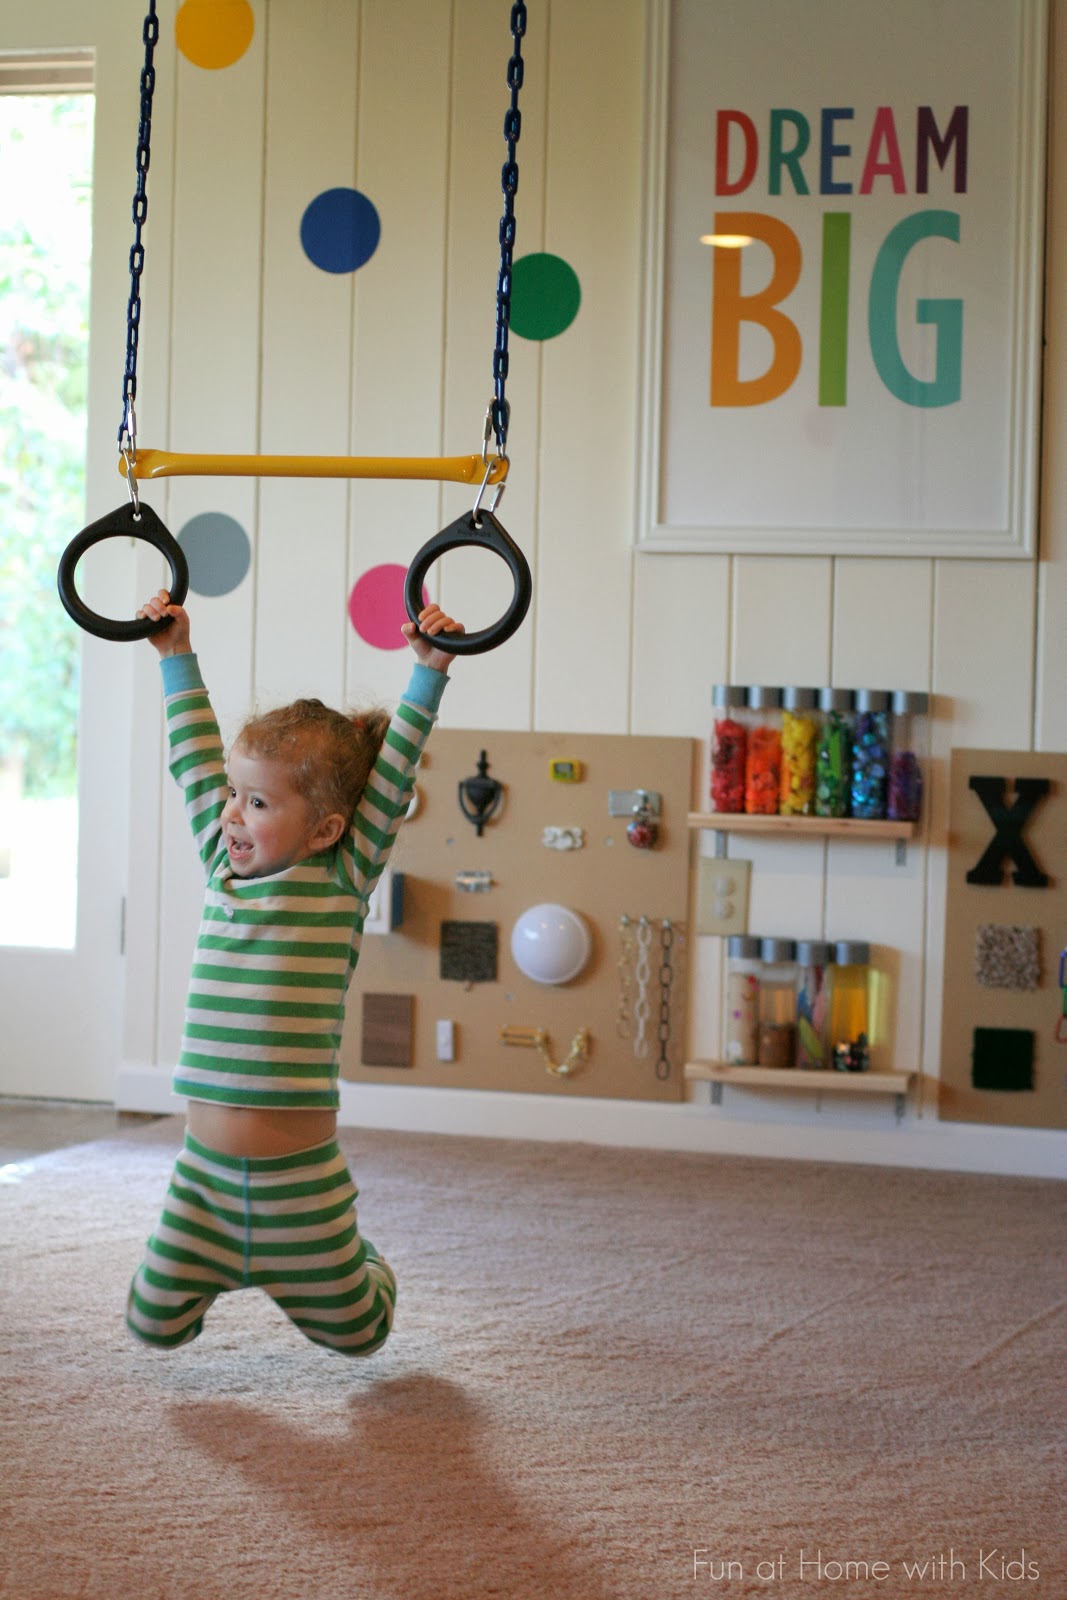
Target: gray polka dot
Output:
[(218, 552)]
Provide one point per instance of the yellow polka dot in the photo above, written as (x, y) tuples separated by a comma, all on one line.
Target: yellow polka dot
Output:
[(214, 33)]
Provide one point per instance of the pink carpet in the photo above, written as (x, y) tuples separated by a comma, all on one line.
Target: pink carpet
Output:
[(614, 1375)]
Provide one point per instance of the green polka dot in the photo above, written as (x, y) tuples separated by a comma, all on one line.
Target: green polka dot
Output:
[(545, 296)]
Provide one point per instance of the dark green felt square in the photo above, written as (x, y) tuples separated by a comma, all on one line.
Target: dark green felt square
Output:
[(1003, 1058)]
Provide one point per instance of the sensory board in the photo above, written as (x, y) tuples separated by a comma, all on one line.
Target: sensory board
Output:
[(438, 851), (1003, 1032)]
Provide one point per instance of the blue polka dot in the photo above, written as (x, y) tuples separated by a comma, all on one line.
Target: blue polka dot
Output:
[(340, 230), (218, 552)]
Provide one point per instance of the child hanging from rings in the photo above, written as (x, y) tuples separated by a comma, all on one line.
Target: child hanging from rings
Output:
[(293, 831)]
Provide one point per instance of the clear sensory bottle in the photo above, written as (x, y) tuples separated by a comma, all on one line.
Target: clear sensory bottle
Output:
[(777, 1003), (905, 770), (870, 754), (850, 1005), (799, 735), (743, 972), (729, 747), (763, 764), (814, 957), (833, 753)]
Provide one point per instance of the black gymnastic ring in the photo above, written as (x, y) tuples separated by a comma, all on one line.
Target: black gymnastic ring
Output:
[(122, 523), (482, 530)]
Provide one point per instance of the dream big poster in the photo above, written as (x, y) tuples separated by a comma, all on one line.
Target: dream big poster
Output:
[(862, 376)]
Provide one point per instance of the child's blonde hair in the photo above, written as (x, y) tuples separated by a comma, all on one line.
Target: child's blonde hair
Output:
[(328, 755)]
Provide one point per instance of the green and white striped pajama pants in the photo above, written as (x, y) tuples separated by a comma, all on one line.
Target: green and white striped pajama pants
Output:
[(284, 1224)]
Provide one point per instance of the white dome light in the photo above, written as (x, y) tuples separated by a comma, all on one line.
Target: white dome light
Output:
[(551, 944)]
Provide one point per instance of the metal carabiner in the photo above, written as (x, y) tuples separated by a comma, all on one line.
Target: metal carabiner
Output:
[(500, 487), (128, 452)]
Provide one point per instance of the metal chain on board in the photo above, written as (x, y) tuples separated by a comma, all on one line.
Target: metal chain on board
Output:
[(666, 979), (624, 1022), (500, 411), (644, 972), (128, 424)]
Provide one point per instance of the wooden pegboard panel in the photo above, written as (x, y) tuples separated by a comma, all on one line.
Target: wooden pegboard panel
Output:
[(603, 879)]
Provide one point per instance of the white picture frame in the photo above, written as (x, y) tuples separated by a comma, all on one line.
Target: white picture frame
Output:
[(911, 471)]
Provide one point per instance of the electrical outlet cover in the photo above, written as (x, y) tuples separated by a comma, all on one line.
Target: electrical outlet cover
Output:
[(722, 895)]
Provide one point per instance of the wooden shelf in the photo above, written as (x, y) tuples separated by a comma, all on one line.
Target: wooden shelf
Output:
[(814, 827), (718, 1073)]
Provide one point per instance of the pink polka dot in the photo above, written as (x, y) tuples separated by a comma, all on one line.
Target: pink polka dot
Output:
[(376, 606)]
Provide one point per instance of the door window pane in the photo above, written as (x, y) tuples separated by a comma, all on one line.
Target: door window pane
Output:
[(45, 239)]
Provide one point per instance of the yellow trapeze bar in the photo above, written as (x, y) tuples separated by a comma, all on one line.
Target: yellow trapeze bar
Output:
[(447, 469)]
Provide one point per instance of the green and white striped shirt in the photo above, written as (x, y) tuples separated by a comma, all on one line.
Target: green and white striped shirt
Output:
[(275, 955)]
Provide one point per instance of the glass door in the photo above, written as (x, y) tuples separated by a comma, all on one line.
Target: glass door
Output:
[(46, 149), (64, 758)]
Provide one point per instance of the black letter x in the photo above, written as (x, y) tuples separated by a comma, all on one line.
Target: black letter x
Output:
[(1008, 839)]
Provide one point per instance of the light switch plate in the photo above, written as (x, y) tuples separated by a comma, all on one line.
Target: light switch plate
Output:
[(722, 895)]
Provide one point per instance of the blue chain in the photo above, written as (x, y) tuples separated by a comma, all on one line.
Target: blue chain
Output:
[(140, 212), (500, 411)]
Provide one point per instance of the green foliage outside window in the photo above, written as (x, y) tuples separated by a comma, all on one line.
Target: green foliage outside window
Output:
[(45, 241)]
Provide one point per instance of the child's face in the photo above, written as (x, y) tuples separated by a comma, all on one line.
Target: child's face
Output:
[(266, 824)]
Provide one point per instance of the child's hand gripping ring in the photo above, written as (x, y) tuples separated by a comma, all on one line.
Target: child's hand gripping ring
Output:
[(131, 523), (481, 529)]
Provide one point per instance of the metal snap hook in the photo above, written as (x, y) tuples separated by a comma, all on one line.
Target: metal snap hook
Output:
[(128, 451), (499, 488)]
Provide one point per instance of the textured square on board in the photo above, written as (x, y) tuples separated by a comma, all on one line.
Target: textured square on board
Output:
[(1007, 957), (1003, 1058)]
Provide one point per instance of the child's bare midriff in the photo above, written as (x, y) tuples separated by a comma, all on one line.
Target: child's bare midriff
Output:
[(257, 1131)]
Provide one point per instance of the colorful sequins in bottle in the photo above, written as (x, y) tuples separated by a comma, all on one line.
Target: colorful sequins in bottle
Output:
[(799, 732), (763, 767), (813, 1050), (905, 772), (870, 753), (729, 747), (833, 754)]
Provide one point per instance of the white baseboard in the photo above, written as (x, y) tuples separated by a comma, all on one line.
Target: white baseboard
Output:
[(877, 1140)]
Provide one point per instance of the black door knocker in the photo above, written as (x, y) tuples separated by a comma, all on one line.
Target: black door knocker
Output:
[(480, 796)]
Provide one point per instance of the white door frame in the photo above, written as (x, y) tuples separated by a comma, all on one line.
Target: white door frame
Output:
[(62, 1010)]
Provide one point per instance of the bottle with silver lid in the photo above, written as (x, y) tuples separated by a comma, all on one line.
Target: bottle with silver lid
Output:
[(763, 765), (743, 972), (905, 771), (729, 746), (833, 753), (813, 989), (777, 1003), (850, 1005), (870, 753), (799, 733)]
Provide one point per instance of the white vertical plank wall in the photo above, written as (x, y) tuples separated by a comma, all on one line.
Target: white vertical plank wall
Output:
[(247, 346), (396, 355), (593, 192), (214, 386), (301, 565)]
